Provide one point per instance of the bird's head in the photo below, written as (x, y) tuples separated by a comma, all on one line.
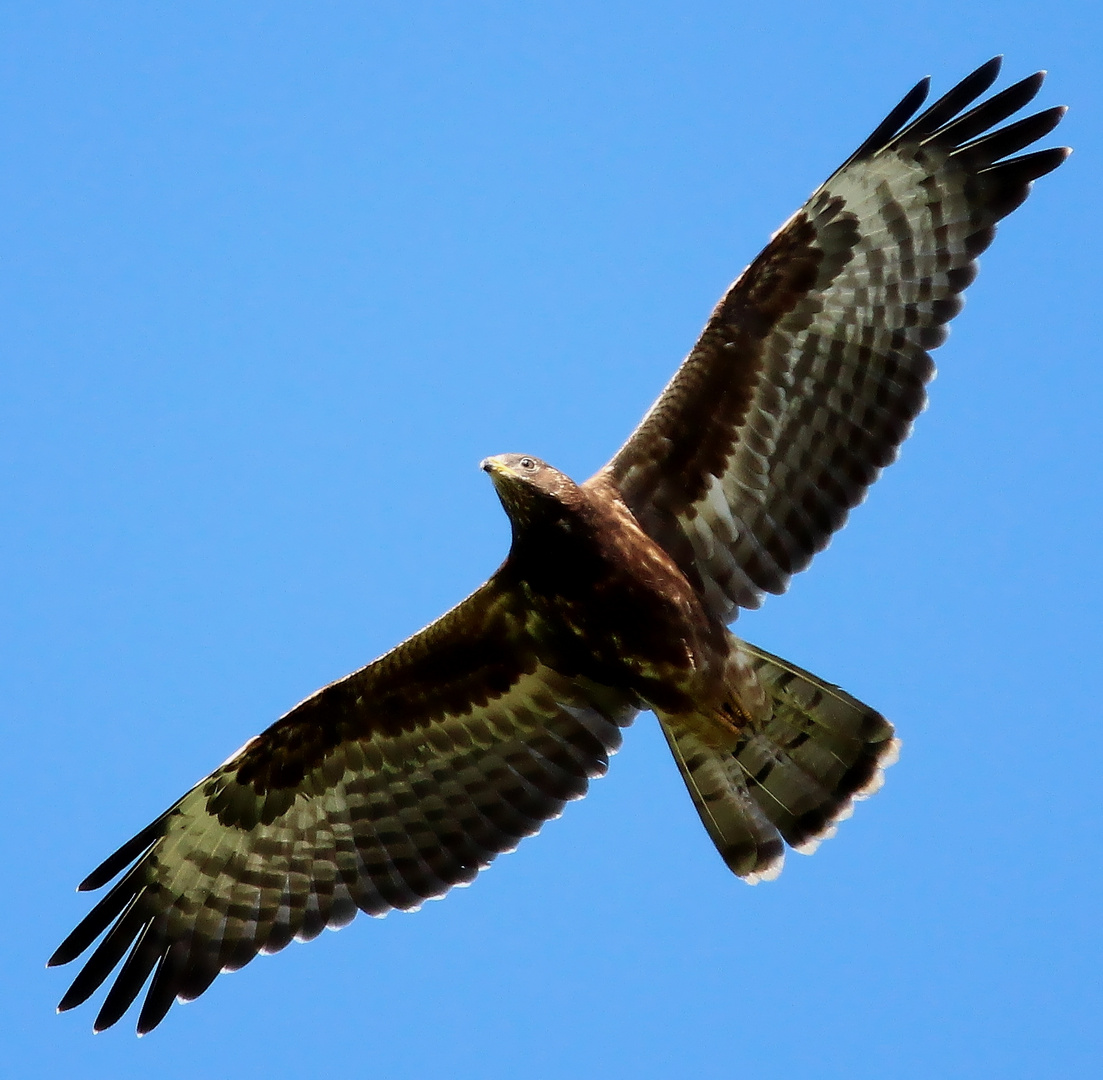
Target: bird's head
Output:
[(530, 489)]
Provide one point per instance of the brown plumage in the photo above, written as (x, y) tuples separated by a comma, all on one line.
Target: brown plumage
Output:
[(409, 776)]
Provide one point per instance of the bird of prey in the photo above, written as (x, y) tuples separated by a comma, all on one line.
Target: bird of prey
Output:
[(409, 776)]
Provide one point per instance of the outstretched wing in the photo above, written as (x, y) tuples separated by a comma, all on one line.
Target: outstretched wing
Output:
[(380, 791), (812, 368)]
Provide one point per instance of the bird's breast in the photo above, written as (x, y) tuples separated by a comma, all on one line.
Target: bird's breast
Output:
[(608, 603)]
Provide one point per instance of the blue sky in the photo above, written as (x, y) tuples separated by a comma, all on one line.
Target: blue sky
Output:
[(275, 277)]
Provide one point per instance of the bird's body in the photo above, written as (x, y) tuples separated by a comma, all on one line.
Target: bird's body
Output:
[(411, 775), (611, 604)]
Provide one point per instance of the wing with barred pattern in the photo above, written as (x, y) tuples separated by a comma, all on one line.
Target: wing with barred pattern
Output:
[(380, 791), (813, 366)]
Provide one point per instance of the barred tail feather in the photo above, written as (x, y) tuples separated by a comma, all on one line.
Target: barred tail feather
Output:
[(791, 773), (745, 837)]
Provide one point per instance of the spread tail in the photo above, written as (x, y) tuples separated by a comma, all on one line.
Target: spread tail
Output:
[(788, 772)]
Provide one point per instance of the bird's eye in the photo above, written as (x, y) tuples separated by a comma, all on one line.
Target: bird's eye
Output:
[(527, 463)]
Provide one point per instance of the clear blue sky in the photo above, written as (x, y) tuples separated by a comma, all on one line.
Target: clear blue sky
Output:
[(274, 277)]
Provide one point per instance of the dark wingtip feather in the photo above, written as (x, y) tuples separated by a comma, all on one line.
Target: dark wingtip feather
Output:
[(1045, 161), (128, 984), (63, 954), (79, 992), (110, 907), (988, 113), (162, 991), (198, 977), (892, 123), (932, 122), (131, 850), (990, 148), (951, 103), (1007, 183), (109, 952), (975, 141)]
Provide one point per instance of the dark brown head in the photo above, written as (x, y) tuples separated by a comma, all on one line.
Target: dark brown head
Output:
[(530, 489)]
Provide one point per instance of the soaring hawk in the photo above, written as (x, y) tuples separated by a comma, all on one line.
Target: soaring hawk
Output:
[(409, 776)]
